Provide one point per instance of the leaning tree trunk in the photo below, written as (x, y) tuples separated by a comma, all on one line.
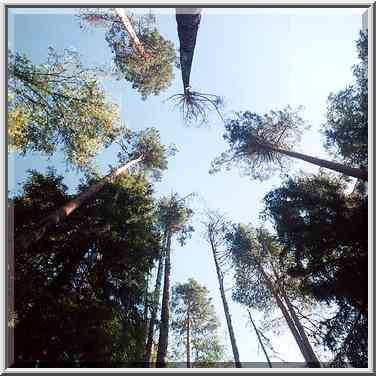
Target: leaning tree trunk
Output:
[(165, 314), (349, 171), (311, 354), (153, 319), (234, 346), (132, 34), (188, 21), (260, 340), (288, 319), (314, 359), (25, 240)]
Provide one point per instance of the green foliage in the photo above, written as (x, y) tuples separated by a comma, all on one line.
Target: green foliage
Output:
[(175, 215), (323, 231), (246, 254), (58, 103), (249, 136), (206, 349), (346, 129), (148, 74), (80, 292), (146, 144)]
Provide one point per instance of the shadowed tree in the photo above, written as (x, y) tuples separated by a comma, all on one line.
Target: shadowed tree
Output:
[(79, 292), (215, 232), (58, 103), (257, 281), (138, 149), (141, 55), (323, 231), (346, 128), (259, 144), (195, 324), (175, 215), (155, 301)]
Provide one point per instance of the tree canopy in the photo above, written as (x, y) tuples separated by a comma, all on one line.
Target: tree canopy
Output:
[(191, 301), (249, 133), (149, 73), (85, 259), (323, 231), (80, 292), (346, 128), (59, 104)]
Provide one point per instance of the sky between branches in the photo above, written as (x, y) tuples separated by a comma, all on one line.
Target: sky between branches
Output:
[(258, 60)]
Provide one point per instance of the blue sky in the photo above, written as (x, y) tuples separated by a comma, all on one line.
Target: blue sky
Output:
[(258, 60)]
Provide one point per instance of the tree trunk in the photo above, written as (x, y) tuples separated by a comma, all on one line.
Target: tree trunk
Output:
[(188, 21), (132, 34), (349, 171), (146, 301), (25, 240), (260, 340), (188, 338), (157, 291), (314, 360), (287, 317), (234, 346), (165, 315)]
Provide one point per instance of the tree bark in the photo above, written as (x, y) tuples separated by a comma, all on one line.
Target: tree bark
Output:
[(260, 340), (188, 338), (153, 319), (287, 317), (132, 34), (234, 346), (25, 240), (314, 362), (165, 315), (188, 21), (357, 173)]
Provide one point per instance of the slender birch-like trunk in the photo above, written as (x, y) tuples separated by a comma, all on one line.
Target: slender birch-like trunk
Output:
[(25, 240)]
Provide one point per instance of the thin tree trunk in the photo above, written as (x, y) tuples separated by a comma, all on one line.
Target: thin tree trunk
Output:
[(188, 339), (25, 240), (146, 302), (314, 359), (260, 340), (157, 291), (349, 171), (234, 346), (287, 317), (165, 315), (132, 34)]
